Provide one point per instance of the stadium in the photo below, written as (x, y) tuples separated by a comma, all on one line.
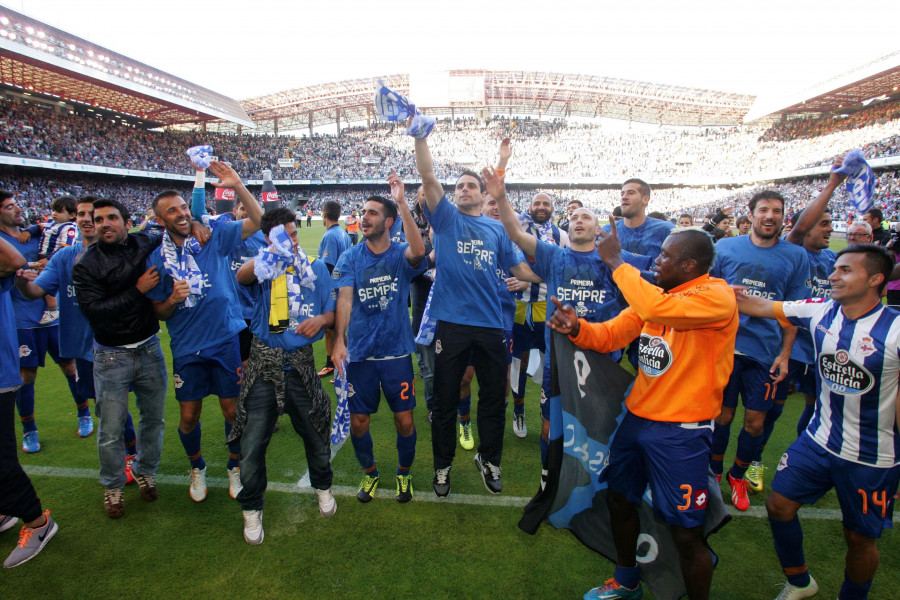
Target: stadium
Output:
[(77, 118)]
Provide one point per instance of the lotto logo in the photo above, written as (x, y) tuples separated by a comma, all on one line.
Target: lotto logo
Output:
[(700, 499), (24, 351), (176, 378)]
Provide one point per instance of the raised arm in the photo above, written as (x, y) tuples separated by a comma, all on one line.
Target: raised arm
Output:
[(198, 195), (434, 191), (416, 249), (815, 209), (494, 182), (228, 178)]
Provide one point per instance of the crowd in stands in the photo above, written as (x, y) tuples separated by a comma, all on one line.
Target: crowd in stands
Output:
[(553, 150), (810, 127)]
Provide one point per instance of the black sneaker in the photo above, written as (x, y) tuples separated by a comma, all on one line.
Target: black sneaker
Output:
[(490, 475), (441, 482)]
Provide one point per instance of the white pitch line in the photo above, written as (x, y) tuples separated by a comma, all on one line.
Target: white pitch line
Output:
[(825, 514)]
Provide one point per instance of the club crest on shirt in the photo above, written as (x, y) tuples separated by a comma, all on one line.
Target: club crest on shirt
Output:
[(24, 351), (350, 390), (654, 355), (335, 274), (783, 463), (843, 375), (865, 347), (177, 380)]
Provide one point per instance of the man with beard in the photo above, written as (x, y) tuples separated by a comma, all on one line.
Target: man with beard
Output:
[(775, 269), (531, 303), (197, 297), (373, 332), (639, 234)]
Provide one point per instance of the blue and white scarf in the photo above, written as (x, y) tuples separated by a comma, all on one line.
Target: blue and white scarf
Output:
[(273, 263), (860, 180), (543, 231), (201, 156), (183, 268), (340, 426), (428, 327), (392, 106)]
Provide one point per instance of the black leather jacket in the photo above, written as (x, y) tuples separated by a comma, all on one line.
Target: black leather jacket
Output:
[(105, 276)]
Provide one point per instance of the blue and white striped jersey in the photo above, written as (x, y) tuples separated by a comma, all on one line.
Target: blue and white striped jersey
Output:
[(857, 368)]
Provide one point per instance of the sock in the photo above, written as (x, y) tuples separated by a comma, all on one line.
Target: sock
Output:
[(769, 426), (721, 435), (519, 406), (854, 591), (805, 418), (464, 408), (81, 403), (191, 443), (130, 437), (747, 448), (362, 447), (788, 538), (523, 378), (628, 577), (328, 362), (25, 406), (545, 445), (234, 449), (406, 452)]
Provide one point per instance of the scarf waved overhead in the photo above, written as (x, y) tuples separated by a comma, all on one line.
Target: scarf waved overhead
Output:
[(184, 267), (860, 180), (392, 106), (201, 156), (288, 272), (543, 231)]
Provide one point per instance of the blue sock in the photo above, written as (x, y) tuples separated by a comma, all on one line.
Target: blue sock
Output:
[(805, 418), (130, 437), (406, 452), (362, 447), (464, 408), (191, 443), (788, 537), (25, 406), (628, 577), (721, 435), (747, 448), (81, 403), (545, 445), (234, 449), (519, 407), (769, 426), (523, 379), (854, 591)]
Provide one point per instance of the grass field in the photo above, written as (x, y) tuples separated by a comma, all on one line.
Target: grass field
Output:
[(467, 547)]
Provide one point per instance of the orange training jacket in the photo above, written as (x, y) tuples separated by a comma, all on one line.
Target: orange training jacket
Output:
[(686, 348)]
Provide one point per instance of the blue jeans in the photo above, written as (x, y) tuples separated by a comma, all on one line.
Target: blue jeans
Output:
[(425, 355), (261, 417), (142, 369)]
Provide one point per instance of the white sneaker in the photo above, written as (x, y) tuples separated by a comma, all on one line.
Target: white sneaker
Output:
[(327, 505), (198, 484), (234, 482), (792, 592), (253, 529), (519, 427), (49, 316), (7, 522)]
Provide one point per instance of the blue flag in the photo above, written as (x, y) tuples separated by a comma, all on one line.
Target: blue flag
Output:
[(860, 180), (393, 106)]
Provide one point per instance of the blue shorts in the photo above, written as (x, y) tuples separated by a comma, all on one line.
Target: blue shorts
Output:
[(866, 494), (84, 378), (524, 338), (672, 458), (34, 344), (212, 371), (752, 381), (369, 378), (804, 377)]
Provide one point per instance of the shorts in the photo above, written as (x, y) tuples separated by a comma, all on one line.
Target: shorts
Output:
[(368, 378), (752, 381), (211, 371), (866, 494), (528, 336), (34, 344), (672, 458), (244, 337), (804, 377), (84, 378), (508, 336)]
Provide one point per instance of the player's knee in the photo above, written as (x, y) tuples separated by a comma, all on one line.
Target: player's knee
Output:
[(778, 508), (68, 368), (545, 429), (859, 543), (359, 424), (404, 423), (725, 417), (687, 539)]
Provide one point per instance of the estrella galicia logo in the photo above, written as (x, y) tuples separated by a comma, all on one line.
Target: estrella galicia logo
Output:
[(654, 355), (844, 375)]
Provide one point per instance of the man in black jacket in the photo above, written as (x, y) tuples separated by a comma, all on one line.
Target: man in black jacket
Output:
[(111, 286)]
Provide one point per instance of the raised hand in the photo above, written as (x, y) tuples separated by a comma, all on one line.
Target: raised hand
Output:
[(228, 177), (493, 182)]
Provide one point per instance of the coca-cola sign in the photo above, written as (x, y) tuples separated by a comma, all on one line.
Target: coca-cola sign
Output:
[(270, 196)]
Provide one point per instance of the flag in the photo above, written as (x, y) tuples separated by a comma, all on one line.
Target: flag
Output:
[(860, 180), (586, 406)]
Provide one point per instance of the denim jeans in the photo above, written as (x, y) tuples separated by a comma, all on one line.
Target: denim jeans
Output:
[(261, 417), (425, 355), (142, 369)]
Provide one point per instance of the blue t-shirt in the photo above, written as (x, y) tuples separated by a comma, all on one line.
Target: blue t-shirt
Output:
[(75, 335), (216, 317), (315, 302), (239, 256), (28, 312), (777, 273), (334, 243), (645, 240), (379, 320), (821, 264), (507, 298), (468, 251), (9, 341)]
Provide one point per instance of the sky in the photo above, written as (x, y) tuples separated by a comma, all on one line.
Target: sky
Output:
[(247, 49)]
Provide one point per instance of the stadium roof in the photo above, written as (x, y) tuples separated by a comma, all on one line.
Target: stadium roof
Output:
[(35, 57), (514, 92), (874, 81)]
